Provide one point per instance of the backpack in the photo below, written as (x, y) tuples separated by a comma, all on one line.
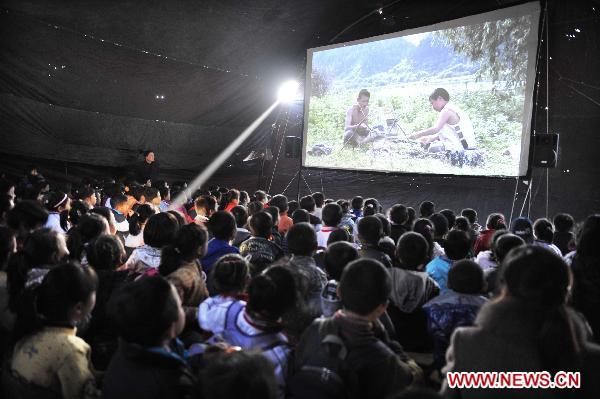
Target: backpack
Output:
[(325, 373)]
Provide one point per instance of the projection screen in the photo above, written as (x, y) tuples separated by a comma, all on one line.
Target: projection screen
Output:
[(454, 98)]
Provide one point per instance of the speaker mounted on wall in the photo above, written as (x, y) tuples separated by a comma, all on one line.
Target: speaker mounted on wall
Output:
[(545, 150)]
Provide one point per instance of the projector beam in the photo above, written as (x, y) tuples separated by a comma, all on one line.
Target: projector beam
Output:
[(218, 161)]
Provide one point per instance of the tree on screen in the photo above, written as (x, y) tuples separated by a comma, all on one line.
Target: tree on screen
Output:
[(500, 48)]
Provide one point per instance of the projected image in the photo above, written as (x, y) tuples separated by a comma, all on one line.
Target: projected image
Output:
[(449, 101)]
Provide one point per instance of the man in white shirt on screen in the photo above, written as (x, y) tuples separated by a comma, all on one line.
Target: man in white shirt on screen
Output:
[(453, 130)]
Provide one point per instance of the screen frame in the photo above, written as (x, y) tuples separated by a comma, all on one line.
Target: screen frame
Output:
[(531, 86)]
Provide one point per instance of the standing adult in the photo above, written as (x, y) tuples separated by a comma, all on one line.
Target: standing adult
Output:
[(148, 169)]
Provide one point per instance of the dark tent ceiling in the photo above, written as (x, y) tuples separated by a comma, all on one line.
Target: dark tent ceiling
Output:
[(94, 82)]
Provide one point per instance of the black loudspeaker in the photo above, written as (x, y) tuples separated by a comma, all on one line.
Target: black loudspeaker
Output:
[(293, 146), (545, 150)]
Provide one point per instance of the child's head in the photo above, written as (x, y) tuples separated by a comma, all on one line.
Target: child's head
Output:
[(274, 212), (222, 225), (118, 202), (25, 216), (357, 202), (370, 230), (89, 228), (300, 216), (470, 214), (466, 277), (462, 223), (426, 209), (412, 250), (238, 374), (57, 201), (457, 245), (440, 225), (371, 207), (563, 222), (65, 296), (301, 239), (271, 293), (543, 230), (240, 215), (398, 214), (281, 202), (332, 215), (153, 195), (230, 274), (495, 221), (319, 199), (139, 218), (338, 235), (147, 312), (307, 203), (450, 217), (502, 246), (523, 227), (106, 253), (292, 206), (261, 224), (189, 244), (206, 205), (364, 287), (160, 230), (337, 256)]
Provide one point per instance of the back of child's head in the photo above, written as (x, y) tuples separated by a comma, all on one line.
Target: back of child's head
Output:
[(261, 224), (230, 274), (274, 212), (440, 224), (337, 256), (338, 235), (206, 204), (89, 228), (236, 375), (138, 192), (502, 246), (563, 222), (462, 223), (319, 199), (412, 250), (139, 218), (260, 196), (450, 217), (385, 224), (332, 215), (426, 209), (301, 239), (55, 200), (365, 284), (457, 245), (118, 200), (222, 225), (307, 203), (466, 277), (470, 214), (240, 215), (495, 221), (292, 206), (357, 202), (189, 244), (78, 209), (160, 230), (412, 216), (52, 302), (543, 230), (398, 214), (144, 310), (280, 201), (272, 293), (106, 253), (301, 216), (370, 229), (254, 207), (152, 194), (371, 207)]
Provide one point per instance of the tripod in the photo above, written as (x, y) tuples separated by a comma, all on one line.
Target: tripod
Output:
[(298, 175)]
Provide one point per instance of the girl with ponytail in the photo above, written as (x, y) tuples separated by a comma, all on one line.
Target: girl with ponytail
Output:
[(46, 352), (82, 237), (179, 263), (59, 205), (137, 222), (528, 328)]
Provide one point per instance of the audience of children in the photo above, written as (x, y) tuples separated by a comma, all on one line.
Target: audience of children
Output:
[(264, 304)]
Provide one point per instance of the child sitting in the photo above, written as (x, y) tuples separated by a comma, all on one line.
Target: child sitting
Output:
[(48, 359), (456, 307), (229, 277), (259, 247)]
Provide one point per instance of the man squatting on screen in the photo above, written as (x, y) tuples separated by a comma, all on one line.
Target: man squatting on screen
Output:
[(356, 128), (453, 130)]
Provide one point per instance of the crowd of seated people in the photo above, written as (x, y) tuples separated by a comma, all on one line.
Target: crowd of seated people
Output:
[(108, 289)]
